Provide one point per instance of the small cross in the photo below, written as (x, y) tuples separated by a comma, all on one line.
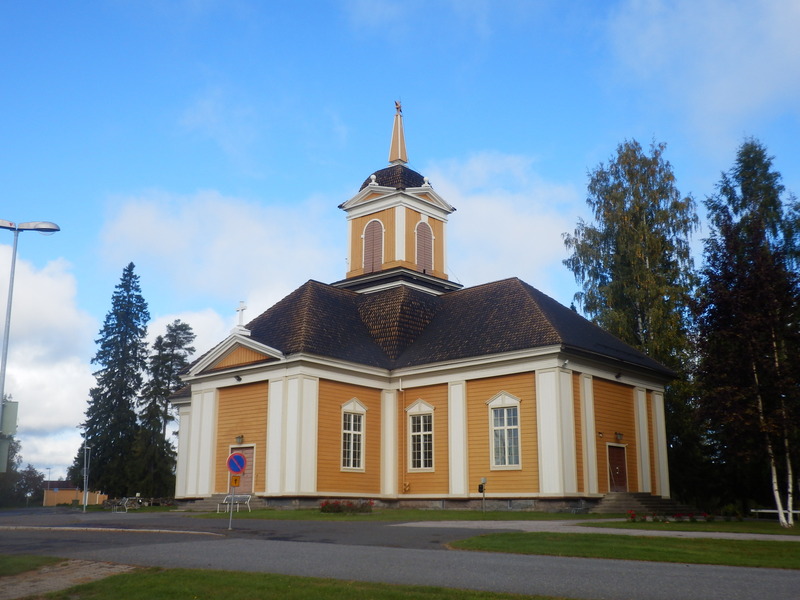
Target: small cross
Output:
[(240, 310)]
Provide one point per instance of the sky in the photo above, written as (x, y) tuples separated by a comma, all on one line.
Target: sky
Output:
[(210, 143)]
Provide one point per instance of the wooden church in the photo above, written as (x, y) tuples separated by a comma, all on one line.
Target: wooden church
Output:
[(398, 385)]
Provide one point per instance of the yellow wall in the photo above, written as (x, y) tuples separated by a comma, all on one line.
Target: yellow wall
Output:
[(526, 479), (425, 482), (242, 411), (330, 477), (56, 495), (613, 406)]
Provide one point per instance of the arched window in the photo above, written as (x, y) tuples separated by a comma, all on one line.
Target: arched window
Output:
[(424, 247), (373, 247)]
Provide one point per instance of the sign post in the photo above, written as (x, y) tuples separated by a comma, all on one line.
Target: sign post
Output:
[(236, 465)]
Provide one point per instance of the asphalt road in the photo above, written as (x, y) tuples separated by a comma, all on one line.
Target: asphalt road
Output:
[(380, 552)]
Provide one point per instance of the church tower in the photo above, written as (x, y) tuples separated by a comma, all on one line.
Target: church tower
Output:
[(397, 227)]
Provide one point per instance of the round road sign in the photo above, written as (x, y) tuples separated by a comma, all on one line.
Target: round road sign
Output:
[(236, 463)]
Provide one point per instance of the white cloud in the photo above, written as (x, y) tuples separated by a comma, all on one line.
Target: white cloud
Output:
[(48, 371), (722, 62), (508, 223)]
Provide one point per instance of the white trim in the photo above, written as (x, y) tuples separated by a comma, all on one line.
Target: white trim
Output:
[(504, 400), (354, 407), (389, 442), (589, 435), (548, 426), (642, 440), (225, 347), (419, 408), (568, 456), (660, 445), (422, 199), (458, 442), (400, 233), (309, 416), (275, 433), (184, 438)]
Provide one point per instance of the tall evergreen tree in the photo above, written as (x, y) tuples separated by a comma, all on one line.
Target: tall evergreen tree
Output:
[(155, 455), (637, 275), (749, 325), (111, 426)]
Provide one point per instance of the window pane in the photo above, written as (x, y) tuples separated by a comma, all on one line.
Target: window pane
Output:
[(499, 447), (513, 446), (511, 417)]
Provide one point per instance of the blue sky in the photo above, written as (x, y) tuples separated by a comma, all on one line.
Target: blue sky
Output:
[(210, 143)]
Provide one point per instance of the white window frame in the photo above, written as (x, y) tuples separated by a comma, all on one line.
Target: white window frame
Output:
[(420, 409), (351, 439), (504, 401)]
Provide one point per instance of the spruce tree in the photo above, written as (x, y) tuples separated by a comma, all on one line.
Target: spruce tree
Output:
[(155, 454), (749, 326), (111, 425)]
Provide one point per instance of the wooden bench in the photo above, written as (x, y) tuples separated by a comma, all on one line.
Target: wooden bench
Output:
[(771, 511), (234, 499)]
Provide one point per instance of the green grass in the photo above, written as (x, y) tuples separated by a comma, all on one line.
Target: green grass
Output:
[(15, 564), (765, 527), (736, 553), (182, 584), (400, 515)]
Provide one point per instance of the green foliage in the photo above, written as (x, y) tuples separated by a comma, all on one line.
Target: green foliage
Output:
[(634, 261), (154, 454), (749, 323), (111, 424)]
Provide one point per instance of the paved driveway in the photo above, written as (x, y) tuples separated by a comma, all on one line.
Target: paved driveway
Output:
[(383, 552)]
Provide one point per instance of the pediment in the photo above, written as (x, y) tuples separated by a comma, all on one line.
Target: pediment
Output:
[(235, 351), (375, 198)]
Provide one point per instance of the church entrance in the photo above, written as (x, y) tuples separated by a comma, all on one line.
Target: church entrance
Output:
[(246, 481), (617, 469)]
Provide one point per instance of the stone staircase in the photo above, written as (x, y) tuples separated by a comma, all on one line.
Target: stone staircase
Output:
[(210, 504), (641, 504)]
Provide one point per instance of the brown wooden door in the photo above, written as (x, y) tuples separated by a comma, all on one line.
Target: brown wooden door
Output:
[(617, 469), (246, 479)]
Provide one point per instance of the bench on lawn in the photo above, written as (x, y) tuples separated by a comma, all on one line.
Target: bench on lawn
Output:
[(770, 511), (124, 504), (234, 499)]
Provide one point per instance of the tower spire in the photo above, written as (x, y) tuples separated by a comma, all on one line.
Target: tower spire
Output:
[(397, 150)]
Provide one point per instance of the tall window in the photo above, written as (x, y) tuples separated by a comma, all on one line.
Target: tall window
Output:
[(424, 247), (352, 440), (504, 430), (373, 247), (422, 441)]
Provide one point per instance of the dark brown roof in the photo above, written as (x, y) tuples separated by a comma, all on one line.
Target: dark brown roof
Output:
[(399, 177), (403, 327)]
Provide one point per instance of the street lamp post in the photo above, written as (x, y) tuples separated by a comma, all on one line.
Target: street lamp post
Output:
[(41, 227)]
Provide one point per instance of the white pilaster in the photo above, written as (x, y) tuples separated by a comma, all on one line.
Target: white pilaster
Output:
[(309, 396), (400, 233), (389, 443), (660, 445), (549, 432), (642, 441), (589, 435), (184, 436), (457, 438), (202, 441), (569, 458), (275, 424)]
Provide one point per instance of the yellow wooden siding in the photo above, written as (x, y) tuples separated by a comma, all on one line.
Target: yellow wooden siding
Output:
[(387, 219), (239, 356), (479, 391), (242, 411), (425, 482), (330, 477), (576, 409), (613, 405)]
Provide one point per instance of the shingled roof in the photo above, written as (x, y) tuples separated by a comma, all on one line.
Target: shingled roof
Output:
[(399, 177), (404, 327)]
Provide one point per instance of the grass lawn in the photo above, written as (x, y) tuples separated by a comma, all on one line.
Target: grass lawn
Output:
[(736, 553), (15, 564), (180, 584), (401, 515), (766, 527)]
